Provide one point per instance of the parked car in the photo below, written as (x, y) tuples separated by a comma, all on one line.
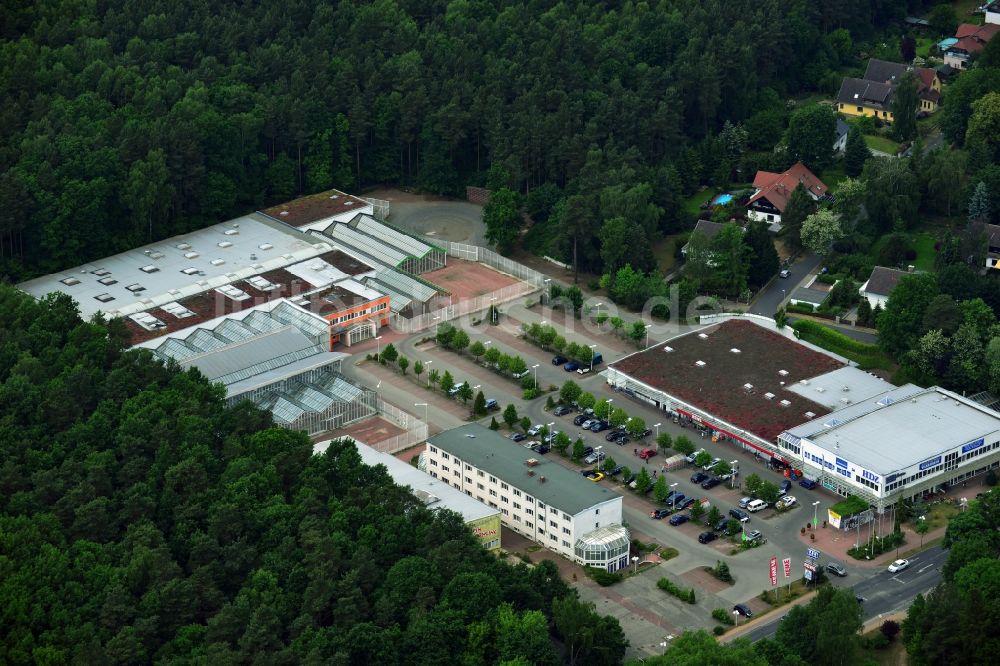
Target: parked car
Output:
[(622, 440), (580, 418), (597, 359), (516, 436), (705, 537), (535, 429), (589, 472), (541, 448), (562, 410), (837, 569), (710, 483), (587, 450), (617, 470), (613, 435), (599, 426), (721, 524), (686, 503), (492, 404), (672, 496), (551, 437), (630, 479), (587, 423), (739, 515), (743, 610), (715, 461), (559, 360), (785, 486), (571, 366), (754, 535), (583, 369), (453, 391), (594, 457), (898, 566), (679, 518), (787, 501), (690, 458), (784, 273), (744, 501), (698, 477), (659, 514), (597, 477), (647, 453), (756, 505), (808, 484)]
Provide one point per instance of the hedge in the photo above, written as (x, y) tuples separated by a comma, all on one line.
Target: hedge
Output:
[(865, 355)]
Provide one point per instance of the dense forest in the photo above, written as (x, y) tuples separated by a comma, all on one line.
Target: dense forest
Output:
[(130, 121), (141, 522)]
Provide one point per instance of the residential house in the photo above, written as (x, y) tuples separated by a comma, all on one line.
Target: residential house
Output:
[(928, 82), (971, 40), (840, 144), (808, 296), (992, 12), (880, 284), (707, 227), (773, 190), (992, 232)]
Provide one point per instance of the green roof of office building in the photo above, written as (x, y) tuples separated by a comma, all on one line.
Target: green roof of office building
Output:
[(551, 483)]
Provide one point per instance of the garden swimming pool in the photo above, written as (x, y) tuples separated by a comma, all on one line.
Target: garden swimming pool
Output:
[(722, 199)]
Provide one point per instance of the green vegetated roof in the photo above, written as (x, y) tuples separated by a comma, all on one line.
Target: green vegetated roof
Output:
[(849, 506)]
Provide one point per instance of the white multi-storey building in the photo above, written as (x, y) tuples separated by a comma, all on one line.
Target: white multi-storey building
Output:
[(538, 499)]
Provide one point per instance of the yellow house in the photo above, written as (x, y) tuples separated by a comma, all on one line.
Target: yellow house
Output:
[(872, 95), (858, 97)]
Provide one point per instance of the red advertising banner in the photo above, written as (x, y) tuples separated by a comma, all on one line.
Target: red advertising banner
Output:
[(787, 564), (774, 571)]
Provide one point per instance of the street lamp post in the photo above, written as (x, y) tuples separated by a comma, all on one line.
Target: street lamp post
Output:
[(648, 326), (597, 452), (815, 504), (635, 564), (378, 346), (545, 289), (608, 415), (736, 614), (428, 373), (535, 368), (598, 306), (732, 476), (437, 323), (674, 499), (657, 426), (592, 357)]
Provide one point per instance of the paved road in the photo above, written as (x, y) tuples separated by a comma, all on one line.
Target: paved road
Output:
[(771, 298), (885, 593)]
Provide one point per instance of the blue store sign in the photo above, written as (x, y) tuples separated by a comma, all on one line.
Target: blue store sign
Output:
[(927, 464)]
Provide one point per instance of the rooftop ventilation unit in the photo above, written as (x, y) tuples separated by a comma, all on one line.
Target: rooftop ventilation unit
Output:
[(668, 349), (135, 288), (846, 389), (785, 403), (283, 213), (70, 281), (149, 269), (100, 272), (783, 373), (810, 415), (820, 389), (334, 196), (232, 232), (105, 298), (703, 336), (178, 310), (183, 246), (174, 292), (218, 262), (146, 252), (735, 350), (700, 364), (253, 256), (846, 401), (769, 396), (265, 246), (191, 255), (108, 281), (804, 382), (225, 244), (748, 387), (156, 255), (348, 203), (189, 271)]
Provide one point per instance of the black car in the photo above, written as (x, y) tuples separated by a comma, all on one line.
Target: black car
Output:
[(622, 440), (740, 515), (708, 484), (613, 435), (686, 503), (517, 436), (645, 433), (674, 498), (559, 360), (580, 419), (630, 478), (705, 537), (659, 514), (679, 519), (599, 426), (616, 471), (562, 410), (698, 477), (808, 484), (721, 525), (785, 486), (541, 448), (587, 450), (743, 610)]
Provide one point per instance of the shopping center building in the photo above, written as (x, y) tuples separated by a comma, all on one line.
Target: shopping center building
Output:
[(539, 499)]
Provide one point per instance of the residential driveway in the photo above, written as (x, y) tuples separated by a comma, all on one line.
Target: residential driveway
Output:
[(448, 220), (772, 296)]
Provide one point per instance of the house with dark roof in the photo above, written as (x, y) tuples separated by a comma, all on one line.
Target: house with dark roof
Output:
[(971, 40), (708, 228), (891, 73), (840, 143), (880, 284), (773, 190)]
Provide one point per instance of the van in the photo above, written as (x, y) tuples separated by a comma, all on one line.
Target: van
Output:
[(598, 359), (756, 506)]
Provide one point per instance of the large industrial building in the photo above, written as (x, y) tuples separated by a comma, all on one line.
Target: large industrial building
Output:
[(897, 445), (541, 500), (743, 381), (483, 520)]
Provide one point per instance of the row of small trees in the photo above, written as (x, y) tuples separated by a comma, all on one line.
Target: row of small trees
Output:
[(515, 367)]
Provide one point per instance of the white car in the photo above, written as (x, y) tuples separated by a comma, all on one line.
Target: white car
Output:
[(898, 566), (715, 461), (788, 500), (534, 430)]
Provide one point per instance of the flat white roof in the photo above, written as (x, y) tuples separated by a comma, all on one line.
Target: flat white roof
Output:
[(899, 433), (435, 493), (173, 268), (840, 388)]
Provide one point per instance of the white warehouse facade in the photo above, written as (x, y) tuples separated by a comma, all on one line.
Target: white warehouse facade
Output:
[(538, 499)]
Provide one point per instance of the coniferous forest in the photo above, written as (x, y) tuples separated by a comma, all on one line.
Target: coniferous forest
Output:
[(130, 121)]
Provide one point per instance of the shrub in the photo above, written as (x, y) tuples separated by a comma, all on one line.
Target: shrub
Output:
[(668, 554), (718, 631), (876, 641), (890, 629), (603, 577), (679, 592), (529, 394), (722, 572), (722, 615)]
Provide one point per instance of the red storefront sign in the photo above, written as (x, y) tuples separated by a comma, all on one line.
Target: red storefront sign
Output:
[(701, 421), (774, 571), (787, 563)]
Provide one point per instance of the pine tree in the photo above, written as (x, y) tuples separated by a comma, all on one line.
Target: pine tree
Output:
[(800, 206), (855, 153), (979, 204), (864, 312), (904, 108)]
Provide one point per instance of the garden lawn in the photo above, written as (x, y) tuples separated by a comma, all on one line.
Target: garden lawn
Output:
[(663, 250), (693, 205), (881, 143), (924, 45), (834, 175), (923, 243)]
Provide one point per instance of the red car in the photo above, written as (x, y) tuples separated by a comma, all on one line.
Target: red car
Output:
[(647, 453)]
